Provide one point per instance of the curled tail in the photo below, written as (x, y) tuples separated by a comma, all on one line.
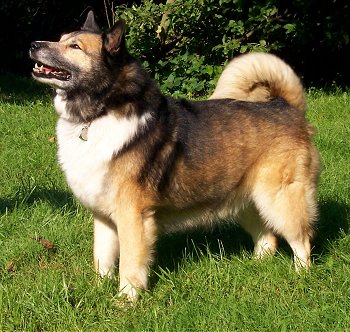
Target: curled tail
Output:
[(260, 77)]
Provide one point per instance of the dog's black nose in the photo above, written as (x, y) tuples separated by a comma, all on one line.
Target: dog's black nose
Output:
[(35, 45)]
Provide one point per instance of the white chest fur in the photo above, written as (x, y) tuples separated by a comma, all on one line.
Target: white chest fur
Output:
[(86, 163)]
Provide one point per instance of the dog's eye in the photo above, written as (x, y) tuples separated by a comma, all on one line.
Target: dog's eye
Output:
[(75, 46)]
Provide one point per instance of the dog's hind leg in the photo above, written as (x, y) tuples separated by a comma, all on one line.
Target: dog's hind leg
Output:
[(289, 208), (265, 241)]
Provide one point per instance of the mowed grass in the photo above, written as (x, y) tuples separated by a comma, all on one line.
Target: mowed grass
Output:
[(201, 281)]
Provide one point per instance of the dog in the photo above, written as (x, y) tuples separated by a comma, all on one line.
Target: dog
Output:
[(145, 163)]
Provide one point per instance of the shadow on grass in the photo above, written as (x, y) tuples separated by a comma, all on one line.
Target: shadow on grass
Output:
[(173, 249), (58, 199), (18, 90), (334, 218), (231, 239), (225, 239)]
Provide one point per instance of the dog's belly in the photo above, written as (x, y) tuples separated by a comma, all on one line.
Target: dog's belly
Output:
[(86, 163), (170, 219)]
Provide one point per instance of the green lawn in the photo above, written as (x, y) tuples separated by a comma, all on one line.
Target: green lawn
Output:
[(200, 282)]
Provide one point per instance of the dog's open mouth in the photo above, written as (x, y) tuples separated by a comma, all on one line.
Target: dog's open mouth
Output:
[(46, 71)]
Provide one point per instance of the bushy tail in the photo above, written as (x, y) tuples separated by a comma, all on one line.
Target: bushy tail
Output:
[(260, 77)]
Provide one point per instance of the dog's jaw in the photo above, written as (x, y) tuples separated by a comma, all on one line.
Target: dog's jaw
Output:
[(51, 72), (52, 81)]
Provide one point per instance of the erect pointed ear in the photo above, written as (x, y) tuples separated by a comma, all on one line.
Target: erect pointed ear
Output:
[(90, 23), (114, 38)]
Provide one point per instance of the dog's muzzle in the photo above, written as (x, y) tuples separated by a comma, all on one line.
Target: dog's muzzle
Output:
[(42, 70)]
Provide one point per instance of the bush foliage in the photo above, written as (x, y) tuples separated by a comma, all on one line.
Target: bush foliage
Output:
[(185, 43), (187, 51)]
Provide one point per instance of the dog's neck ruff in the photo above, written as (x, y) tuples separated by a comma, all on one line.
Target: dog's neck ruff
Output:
[(86, 163), (60, 104), (61, 108), (134, 123)]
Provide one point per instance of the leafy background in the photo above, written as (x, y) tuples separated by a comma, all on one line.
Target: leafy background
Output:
[(184, 43)]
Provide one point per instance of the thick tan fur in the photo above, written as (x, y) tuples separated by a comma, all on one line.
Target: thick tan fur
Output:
[(260, 77), (152, 164)]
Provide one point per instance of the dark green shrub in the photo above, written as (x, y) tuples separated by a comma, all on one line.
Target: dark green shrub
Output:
[(199, 37), (186, 57)]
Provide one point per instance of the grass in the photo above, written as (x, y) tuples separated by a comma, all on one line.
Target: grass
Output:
[(200, 282)]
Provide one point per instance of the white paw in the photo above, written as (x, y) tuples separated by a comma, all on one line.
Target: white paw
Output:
[(105, 270), (129, 291), (263, 249), (301, 264)]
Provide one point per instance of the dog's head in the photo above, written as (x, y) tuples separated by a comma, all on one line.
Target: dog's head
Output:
[(81, 58)]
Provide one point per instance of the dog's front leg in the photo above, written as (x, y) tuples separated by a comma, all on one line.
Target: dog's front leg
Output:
[(137, 234), (106, 245)]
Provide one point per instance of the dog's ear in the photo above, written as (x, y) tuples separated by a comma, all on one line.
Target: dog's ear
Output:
[(90, 23), (114, 38)]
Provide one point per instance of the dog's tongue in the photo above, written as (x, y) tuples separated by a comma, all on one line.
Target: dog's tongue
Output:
[(44, 69), (48, 70), (51, 71)]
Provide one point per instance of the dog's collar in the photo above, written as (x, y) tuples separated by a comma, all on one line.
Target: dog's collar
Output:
[(84, 132)]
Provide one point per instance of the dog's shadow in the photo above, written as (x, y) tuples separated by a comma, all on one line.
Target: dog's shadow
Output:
[(224, 240), (57, 198), (227, 239), (230, 239), (333, 222)]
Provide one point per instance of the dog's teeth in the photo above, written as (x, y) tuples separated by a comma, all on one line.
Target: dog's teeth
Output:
[(36, 65)]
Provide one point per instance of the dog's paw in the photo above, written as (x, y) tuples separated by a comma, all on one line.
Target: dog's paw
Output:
[(129, 293), (265, 246)]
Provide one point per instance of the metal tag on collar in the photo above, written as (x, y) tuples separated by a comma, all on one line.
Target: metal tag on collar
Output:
[(84, 133)]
